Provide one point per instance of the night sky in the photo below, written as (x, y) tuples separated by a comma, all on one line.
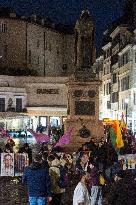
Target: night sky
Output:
[(67, 11)]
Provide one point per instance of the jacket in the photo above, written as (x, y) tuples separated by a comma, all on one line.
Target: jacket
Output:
[(54, 171), (38, 180), (123, 192)]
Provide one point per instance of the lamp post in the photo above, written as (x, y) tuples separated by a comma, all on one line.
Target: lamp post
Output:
[(26, 133), (126, 106)]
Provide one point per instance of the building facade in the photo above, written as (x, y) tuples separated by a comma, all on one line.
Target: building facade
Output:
[(32, 101), (117, 70), (31, 46)]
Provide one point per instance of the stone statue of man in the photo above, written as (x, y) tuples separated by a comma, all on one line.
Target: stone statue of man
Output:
[(84, 40)]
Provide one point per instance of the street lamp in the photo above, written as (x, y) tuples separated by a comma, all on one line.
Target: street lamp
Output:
[(126, 106)]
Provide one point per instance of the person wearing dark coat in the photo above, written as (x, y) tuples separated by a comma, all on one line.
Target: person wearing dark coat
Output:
[(123, 191), (26, 149), (36, 177), (94, 184)]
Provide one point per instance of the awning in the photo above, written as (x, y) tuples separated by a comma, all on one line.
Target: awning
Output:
[(47, 111), (12, 115)]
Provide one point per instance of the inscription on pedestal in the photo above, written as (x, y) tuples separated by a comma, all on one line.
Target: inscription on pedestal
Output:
[(85, 108)]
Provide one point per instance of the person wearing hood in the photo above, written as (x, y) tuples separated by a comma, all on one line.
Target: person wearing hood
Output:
[(36, 177)]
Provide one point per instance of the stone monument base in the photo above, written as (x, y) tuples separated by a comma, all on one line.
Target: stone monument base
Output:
[(96, 129)]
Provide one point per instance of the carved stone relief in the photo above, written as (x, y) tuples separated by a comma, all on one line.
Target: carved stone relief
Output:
[(85, 108)]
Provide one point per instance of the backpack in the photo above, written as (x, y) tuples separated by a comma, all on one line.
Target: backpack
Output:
[(63, 179)]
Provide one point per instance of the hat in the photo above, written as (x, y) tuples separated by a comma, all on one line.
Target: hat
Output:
[(121, 174)]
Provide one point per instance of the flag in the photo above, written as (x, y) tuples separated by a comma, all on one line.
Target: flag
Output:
[(65, 139), (112, 136), (39, 136), (123, 125), (119, 140)]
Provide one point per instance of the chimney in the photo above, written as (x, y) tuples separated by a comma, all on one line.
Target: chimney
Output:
[(33, 17), (12, 15), (42, 21)]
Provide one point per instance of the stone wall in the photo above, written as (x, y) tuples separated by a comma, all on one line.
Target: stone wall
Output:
[(33, 46)]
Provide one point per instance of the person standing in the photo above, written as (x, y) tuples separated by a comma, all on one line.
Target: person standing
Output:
[(94, 184), (55, 174), (36, 177), (123, 191), (81, 194)]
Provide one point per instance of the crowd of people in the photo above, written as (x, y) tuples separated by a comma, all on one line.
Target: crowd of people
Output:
[(90, 176), (93, 171)]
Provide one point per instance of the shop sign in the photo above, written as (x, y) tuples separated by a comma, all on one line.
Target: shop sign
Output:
[(47, 91)]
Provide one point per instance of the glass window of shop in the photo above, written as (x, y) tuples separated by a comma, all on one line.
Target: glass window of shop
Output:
[(2, 104), (18, 104), (55, 121), (43, 121)]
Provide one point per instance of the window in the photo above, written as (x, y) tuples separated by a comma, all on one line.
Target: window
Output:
[(114, 78), (108, 105), (124, 59), (104, 70), (104, 89), (46, 45), (18, 104), (3, 27), (46, 62), (3, 52), (134, 98), (2, 104), (64, 67), (135, 57), (114, 97), (38, 43), (29, 56), (107, 53), (38, 60), (49, 46), (125, 83), (108, 88), (122, 104), (108, 69)]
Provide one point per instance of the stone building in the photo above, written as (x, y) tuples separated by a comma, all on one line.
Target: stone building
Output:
[(31, 101), (28, 46), (44, 54), (117, 70), (34, 46)]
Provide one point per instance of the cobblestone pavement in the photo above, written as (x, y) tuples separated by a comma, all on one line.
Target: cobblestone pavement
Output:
[(12, 192)]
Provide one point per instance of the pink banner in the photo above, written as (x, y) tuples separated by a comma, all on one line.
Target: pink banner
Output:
[(65, 139), (39, 136), (4, 133)]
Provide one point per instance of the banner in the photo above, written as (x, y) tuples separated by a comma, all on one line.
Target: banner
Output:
[(21, 161), (7, 164), (65, 139), (127, 161), (13, 164)]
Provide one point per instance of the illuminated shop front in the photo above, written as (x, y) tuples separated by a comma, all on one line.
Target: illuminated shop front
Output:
[(46, 116)]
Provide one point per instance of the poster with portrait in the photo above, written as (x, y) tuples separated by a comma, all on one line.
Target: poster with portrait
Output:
[(21, 161), (7, 164), (127, 161)]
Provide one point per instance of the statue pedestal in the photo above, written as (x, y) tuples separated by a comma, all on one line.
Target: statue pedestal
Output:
[(95, 127)]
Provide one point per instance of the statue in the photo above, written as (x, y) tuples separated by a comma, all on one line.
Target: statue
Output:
[(84, 38)]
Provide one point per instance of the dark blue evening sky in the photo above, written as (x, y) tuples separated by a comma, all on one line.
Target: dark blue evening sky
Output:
[(104, 12)]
